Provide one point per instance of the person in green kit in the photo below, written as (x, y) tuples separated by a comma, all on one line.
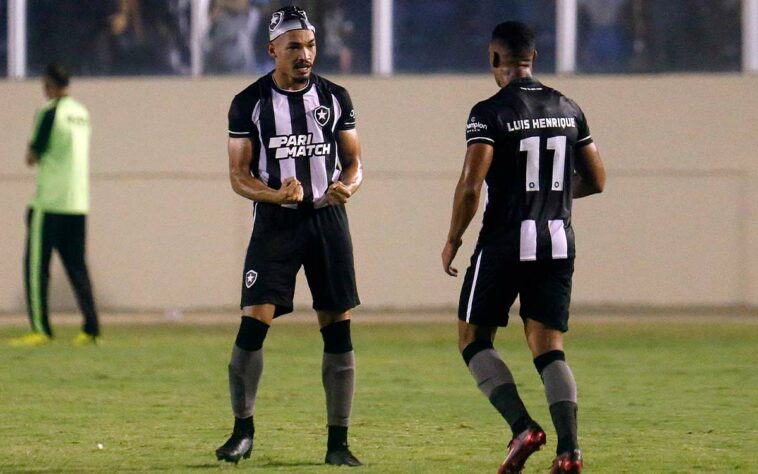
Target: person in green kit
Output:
[(57, 214)]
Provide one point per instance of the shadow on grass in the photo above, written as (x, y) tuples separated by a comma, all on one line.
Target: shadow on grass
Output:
[(278, 463), (262, 463)]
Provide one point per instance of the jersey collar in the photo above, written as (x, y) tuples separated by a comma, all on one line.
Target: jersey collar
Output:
[(521, 81), (293, 93)]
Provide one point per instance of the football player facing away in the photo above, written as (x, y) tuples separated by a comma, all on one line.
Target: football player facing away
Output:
[(294, 152), (532, 146)]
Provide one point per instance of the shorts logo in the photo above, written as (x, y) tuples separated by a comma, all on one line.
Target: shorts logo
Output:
[(321, 114), (250, 277), (276, 18)]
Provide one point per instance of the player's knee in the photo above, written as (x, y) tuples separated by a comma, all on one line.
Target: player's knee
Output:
[(466, 336), (543, 360), (475, 347), (337, 337), (251, 334)]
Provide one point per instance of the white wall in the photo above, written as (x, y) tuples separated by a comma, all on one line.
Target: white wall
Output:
[(674, 226)]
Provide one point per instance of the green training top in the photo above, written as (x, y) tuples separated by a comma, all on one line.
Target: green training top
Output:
[(61, 140)]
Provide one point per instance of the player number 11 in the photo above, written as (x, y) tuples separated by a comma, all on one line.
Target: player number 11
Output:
[(531, 146)]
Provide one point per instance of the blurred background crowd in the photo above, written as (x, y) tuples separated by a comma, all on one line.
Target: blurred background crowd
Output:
[(153, 37), (652, 36)]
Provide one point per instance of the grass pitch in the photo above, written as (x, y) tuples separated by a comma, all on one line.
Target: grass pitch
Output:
[(656, 396)]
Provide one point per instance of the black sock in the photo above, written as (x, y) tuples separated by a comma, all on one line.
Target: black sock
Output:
[(337, 437), (244, 425), (507, 402), (564, 419)]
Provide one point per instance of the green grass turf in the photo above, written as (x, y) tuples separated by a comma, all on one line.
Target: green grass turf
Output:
[(655, 397)]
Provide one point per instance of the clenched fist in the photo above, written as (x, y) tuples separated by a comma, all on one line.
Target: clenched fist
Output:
[(291, 191), (338, 193)]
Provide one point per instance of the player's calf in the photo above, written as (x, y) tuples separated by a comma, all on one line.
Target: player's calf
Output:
[(560, 392), (245, 370), (495, 381), (338, 375)]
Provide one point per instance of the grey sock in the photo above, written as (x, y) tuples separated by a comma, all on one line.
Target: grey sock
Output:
[(496, 382), (338, 376), (245, 371), (560, 391), (559, 382), (489, 371)]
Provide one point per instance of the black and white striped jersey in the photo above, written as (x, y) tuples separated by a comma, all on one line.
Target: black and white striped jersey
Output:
[(294, 133), (535, 131)]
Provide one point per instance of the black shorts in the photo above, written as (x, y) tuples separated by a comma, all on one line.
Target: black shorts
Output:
[(492, 283), (285, 239)]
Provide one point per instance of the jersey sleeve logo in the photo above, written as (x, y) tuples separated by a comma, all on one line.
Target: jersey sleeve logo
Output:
[(250, 277), (351, 118), (475, 127), (322, 115)]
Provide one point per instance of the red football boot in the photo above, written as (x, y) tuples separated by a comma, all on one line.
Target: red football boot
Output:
[(569, 462), (520, 448)]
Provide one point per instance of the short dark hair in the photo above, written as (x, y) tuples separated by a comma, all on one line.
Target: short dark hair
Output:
[(58, 74), (515, 36)]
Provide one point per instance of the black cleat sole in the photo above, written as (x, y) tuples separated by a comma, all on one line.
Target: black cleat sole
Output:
[(341, 458), (231, 458)]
